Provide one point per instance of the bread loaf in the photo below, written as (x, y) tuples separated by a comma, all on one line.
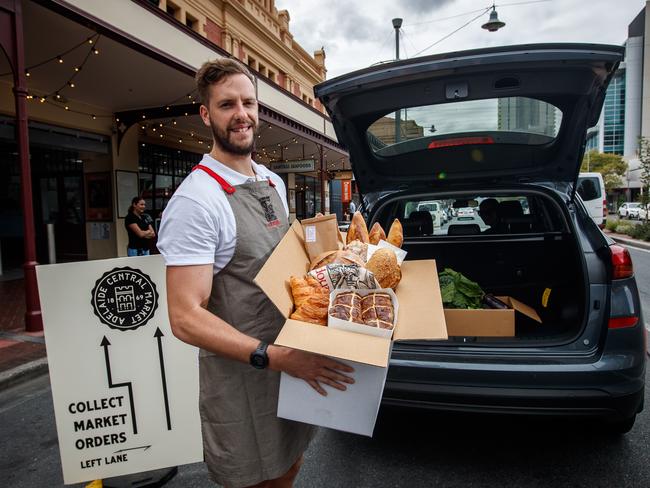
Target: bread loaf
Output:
[(376, 234), (396, 234), (358, 229), (383, 263)]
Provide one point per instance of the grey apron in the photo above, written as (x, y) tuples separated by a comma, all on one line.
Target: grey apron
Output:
[(244, 441)]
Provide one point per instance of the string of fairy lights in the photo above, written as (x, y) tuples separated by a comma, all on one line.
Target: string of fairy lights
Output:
[(165, 129)]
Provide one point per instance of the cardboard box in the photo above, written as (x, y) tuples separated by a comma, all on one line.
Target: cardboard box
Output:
[(355, 410), (487, 322)]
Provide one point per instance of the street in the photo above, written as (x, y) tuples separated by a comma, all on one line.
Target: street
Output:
[(408, 449)]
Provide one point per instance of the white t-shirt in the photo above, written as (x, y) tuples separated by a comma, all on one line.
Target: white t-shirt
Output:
[(198, 225)]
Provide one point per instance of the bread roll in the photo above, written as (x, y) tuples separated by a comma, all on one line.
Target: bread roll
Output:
[(396, 234), (376, 234), (336, 257), (383, 263), (358, 229)]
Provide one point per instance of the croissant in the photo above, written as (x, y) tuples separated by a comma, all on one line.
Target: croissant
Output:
[(313, 310), (396, 234), (357, 229), (376, 234), (303, 288)]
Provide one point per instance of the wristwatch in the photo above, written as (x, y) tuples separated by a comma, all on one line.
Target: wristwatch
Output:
[(259, 359)]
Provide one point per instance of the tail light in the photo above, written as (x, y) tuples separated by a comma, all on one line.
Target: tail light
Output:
[(621, 262), (604, 209), (623, 311)]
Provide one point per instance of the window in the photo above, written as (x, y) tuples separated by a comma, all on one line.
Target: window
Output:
[(162, 170), (468, 216), (517, 120), (191, 22), (173, 10)]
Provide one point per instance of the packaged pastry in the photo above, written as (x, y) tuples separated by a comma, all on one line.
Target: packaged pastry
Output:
[(350, 276), (335, 257), (359, 248), (321, 235), (371, 312)]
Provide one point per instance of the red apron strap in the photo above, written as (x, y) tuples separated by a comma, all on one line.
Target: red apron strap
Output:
[(227, 187)]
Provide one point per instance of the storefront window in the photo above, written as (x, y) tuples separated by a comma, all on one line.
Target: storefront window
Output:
[(307, 196), (162, 169)]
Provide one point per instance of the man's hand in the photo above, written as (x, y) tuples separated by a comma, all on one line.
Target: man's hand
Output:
[(313, 368)]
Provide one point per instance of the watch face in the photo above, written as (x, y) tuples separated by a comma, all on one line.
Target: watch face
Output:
[(258, 360)]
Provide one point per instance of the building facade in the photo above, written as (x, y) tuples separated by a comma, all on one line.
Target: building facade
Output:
[(113, 114)]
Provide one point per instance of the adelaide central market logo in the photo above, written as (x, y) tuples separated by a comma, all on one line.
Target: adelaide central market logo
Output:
[(124, 298)]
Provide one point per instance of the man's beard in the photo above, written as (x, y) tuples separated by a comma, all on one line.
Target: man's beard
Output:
[(221, 138)]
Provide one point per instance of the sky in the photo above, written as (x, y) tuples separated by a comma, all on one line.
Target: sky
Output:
[(358, 34)]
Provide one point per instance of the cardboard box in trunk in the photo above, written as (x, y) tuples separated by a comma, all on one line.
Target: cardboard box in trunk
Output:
[(487, 322), (355, 410)]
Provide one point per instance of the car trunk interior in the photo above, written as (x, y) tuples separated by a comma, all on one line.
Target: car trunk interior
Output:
[(527, 266)]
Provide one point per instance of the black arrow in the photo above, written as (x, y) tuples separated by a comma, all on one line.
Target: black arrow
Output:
[(144, 448), (105, 345), (158, 335)]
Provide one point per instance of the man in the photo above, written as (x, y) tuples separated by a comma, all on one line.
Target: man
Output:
[(489, 213), (217, 231)]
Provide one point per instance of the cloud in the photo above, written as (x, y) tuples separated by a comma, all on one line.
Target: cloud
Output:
[(423, 6)]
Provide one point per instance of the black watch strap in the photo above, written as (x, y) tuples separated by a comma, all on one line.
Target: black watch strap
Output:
[(259, 359)]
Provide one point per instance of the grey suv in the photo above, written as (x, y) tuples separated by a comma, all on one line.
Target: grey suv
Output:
[(507, 124)]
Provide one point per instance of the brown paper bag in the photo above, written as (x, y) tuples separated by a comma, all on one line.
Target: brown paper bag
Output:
[(321, 234)]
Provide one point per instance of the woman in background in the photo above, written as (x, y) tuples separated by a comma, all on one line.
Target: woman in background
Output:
[(138, 226)]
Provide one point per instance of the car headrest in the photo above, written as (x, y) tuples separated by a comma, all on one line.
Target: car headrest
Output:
[(510, 208), (419, 223), (463, 229)]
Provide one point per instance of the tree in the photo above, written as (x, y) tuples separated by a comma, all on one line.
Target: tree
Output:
[(644, 159), (611, 166)]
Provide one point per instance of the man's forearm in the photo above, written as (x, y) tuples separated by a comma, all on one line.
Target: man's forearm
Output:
[(203, 329)]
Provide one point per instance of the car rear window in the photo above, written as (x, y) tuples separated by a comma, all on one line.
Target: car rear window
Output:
[(471, 216), (589, 188), (509, 120)]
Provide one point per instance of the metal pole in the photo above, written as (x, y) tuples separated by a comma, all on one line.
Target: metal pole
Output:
[(51, 244), (12, 42), (323, 180), (397, 23)]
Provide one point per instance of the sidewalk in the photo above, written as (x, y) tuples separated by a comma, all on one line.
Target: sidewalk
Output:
[(22, 354), (628, 241)]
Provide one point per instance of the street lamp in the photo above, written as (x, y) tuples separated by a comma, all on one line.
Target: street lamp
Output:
[(494, 24), (397, 24)]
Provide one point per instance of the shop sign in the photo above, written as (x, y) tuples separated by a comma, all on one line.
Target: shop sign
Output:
[(300, 166), (346, 191), (125, 390), (343, 175)]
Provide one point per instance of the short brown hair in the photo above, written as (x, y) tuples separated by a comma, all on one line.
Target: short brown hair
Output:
[(216, 70)]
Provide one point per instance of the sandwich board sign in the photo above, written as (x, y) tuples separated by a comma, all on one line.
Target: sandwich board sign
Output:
[(125, 390)]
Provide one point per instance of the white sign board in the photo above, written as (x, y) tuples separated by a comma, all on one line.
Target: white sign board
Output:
[(125, 389)]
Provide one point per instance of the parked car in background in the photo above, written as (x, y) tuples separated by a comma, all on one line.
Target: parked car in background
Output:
[(435, 209), (644, 212), (591, 189), (465, 213), (629, 210), (587, 357)]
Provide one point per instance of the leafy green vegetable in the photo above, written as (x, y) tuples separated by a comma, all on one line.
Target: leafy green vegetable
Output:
[(458, 291)]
